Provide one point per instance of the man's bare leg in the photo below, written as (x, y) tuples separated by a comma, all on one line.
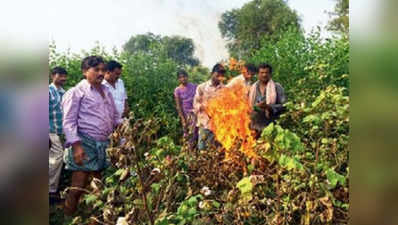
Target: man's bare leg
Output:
[(79, 181)]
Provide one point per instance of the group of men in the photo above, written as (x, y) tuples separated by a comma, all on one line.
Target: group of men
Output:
[(265, 97), (81, 120)]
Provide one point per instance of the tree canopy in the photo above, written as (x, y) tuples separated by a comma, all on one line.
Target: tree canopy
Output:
[(180, 49), (340, 18), (246, 27)]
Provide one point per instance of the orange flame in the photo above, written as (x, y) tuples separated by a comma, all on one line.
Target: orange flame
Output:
[(230, 118), (235, 65)]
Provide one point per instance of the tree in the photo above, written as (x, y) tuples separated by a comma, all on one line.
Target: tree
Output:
[(340, 18), (198, 74), (141, 42), (245, 28), (178, 48), (229, 24)]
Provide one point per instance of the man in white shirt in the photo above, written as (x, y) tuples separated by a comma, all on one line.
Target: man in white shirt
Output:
[(116, 87), (204, 92)]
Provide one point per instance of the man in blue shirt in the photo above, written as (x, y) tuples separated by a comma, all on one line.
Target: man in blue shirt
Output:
[(58, 77)]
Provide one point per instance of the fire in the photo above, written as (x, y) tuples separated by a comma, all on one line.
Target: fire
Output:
[(230, 118), (235, 64)]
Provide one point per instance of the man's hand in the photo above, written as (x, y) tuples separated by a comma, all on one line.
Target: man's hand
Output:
[(266, 107), (202, 108), (262, 104), (268, 111), (78, 153)]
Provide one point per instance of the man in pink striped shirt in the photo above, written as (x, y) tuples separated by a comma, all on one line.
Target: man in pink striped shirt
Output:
[(90, 116)]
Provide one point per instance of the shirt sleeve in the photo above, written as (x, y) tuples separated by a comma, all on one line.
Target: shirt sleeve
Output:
[(117, 118), (50, 100), (232, 82), (70, 108), (124, 90)]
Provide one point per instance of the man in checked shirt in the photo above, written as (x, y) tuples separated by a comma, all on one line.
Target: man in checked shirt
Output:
[(56, 92)]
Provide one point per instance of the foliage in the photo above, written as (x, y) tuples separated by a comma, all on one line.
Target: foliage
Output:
[(141, 42), (245, 27), (179, 49), (340, 22), (198, 74), (305, 63)]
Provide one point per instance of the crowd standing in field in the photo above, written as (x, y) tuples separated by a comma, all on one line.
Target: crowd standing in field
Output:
[(82, 119)]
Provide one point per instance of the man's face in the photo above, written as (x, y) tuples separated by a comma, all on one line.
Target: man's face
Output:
[(114, 75), (182, 79), (218, 77), (264, 74), (95, 75), (247, 74), (59, 79)]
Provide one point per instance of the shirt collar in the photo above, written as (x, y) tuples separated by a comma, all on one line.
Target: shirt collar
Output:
[(210, 84), (60, 89), (87, 85), (106, 83)]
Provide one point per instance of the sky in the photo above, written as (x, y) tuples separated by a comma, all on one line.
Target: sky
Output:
[(77, 24)]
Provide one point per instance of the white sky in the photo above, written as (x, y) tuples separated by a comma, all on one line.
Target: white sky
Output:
[(78, 24)]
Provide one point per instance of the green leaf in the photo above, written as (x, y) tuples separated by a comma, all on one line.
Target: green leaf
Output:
[(244, 185), (318, 100), (162, 221), (345, 206), (216, 204), (192, 212), (334, 178), (98, 204), (246, 197), (110, 180), (183, 209), (182, 222), (106, 191), (155, 187), (267, 132), (250, 167), (192, 201), (90, 198), (290, 163), (311, 118), (119, 172), (199, 196)]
